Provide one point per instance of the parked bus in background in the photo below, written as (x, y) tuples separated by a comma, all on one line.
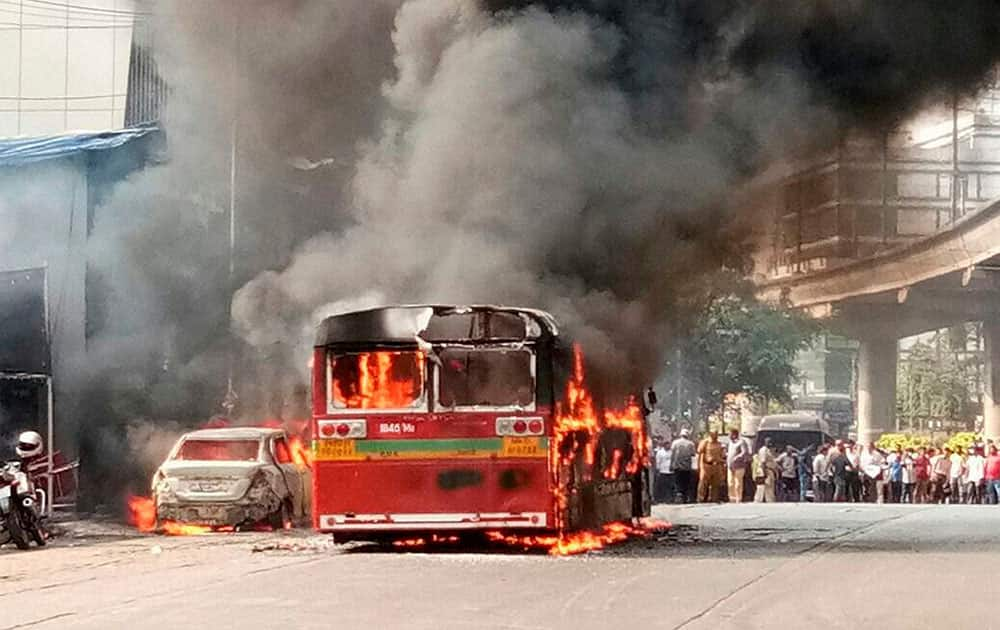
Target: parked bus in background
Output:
[(805, 432), (444, 419), (836, 409)]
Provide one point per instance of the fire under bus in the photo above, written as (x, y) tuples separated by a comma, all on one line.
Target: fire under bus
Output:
[(443, 420)]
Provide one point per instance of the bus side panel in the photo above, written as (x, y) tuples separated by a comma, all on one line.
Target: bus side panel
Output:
[(435, 487)]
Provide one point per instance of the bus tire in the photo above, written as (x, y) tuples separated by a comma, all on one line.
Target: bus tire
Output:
[(642, 501)]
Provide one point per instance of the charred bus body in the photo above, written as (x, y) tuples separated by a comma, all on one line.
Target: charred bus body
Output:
[(444, 419)]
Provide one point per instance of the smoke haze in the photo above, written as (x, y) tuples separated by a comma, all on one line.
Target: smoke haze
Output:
[(581, 157)]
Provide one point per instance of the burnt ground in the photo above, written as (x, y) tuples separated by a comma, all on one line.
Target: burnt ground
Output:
[(724, 566)]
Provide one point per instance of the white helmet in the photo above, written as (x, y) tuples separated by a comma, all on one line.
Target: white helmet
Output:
[(29, 444)]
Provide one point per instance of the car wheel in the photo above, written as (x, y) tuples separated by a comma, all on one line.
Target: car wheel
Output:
[(281, 518)]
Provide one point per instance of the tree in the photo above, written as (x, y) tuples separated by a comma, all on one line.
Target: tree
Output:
[(937, 382), (740, 345)]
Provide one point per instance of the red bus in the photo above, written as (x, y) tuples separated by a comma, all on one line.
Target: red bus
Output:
[(447, 419)]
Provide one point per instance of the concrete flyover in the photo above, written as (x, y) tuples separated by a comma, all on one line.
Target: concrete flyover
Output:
[(947, 278)]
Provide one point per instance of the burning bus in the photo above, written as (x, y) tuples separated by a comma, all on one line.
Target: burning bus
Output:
[(440, 420)]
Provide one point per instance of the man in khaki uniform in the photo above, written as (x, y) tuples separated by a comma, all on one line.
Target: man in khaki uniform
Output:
[(712, 469)]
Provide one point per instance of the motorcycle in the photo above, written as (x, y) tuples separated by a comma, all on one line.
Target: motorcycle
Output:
[(21, 507)]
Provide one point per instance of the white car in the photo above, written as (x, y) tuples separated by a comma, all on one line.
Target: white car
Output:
[(232, 477)]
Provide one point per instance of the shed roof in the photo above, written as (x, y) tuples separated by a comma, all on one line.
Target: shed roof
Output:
[(20, 151)]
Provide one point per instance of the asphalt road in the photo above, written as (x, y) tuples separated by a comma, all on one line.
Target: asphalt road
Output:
[(738, 566)]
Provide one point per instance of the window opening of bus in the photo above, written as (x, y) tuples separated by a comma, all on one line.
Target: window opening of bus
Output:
[(377, 380), (477, 326), (495, 378)]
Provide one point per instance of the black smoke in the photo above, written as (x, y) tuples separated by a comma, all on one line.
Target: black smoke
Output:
[(586, 157)]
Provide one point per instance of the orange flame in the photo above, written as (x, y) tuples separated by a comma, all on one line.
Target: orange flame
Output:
[(385, 380), (615, 466), (142, 513), (581, 542), (301, 454), (142, 516), (578, 429), (173, 528), (631, 420), (434, 539)]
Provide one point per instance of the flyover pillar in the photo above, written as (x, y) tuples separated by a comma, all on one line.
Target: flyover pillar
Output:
[(876, 387), (991, 380)]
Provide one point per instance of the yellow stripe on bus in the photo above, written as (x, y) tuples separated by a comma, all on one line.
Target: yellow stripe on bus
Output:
[(348, 450)]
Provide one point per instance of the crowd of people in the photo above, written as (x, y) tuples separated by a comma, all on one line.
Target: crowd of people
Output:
[(717, 470)]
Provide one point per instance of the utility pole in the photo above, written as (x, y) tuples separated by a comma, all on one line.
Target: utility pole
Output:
[(229, 402), (679, 409), (955, 174), (883, 220)]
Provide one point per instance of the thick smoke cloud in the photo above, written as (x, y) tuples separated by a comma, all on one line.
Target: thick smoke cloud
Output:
[(302, 81), (580, 156)]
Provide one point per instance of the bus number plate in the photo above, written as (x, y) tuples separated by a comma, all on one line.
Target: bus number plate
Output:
[(335, 449), (522, 447)]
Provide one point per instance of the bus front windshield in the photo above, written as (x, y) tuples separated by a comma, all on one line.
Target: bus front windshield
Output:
[(501, 378), (377, 380), (800, 440)]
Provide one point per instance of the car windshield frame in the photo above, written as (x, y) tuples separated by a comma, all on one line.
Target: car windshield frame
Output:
[(176, 456)]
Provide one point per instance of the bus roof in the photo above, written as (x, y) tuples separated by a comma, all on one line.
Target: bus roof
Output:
[(793, 422), (415, 324)]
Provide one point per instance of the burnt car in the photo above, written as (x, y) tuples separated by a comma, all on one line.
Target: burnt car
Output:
[(235, 477)]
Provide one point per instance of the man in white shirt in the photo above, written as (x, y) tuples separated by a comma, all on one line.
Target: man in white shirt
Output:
[(975, 476), (854, 474), (765, 473), (663, 486), (684, 464), (788, 465), (738, 457), (955, 477), (873, 469), (909, 477), (940, 473), (821, 475)]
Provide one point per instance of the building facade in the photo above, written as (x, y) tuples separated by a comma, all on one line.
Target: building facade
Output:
[(867, 196), (65, 64)]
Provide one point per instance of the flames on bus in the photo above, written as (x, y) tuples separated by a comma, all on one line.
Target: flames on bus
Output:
[(394, 380), (377, 380), (576, 434), (489, 395), (578, 430)]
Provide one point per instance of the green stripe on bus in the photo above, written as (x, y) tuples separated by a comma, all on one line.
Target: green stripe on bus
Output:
[(410, 446)]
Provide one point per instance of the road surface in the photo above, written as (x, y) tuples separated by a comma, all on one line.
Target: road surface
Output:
[(728, 566)]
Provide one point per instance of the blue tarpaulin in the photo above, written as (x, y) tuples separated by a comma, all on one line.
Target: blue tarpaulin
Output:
[(18, 151)]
